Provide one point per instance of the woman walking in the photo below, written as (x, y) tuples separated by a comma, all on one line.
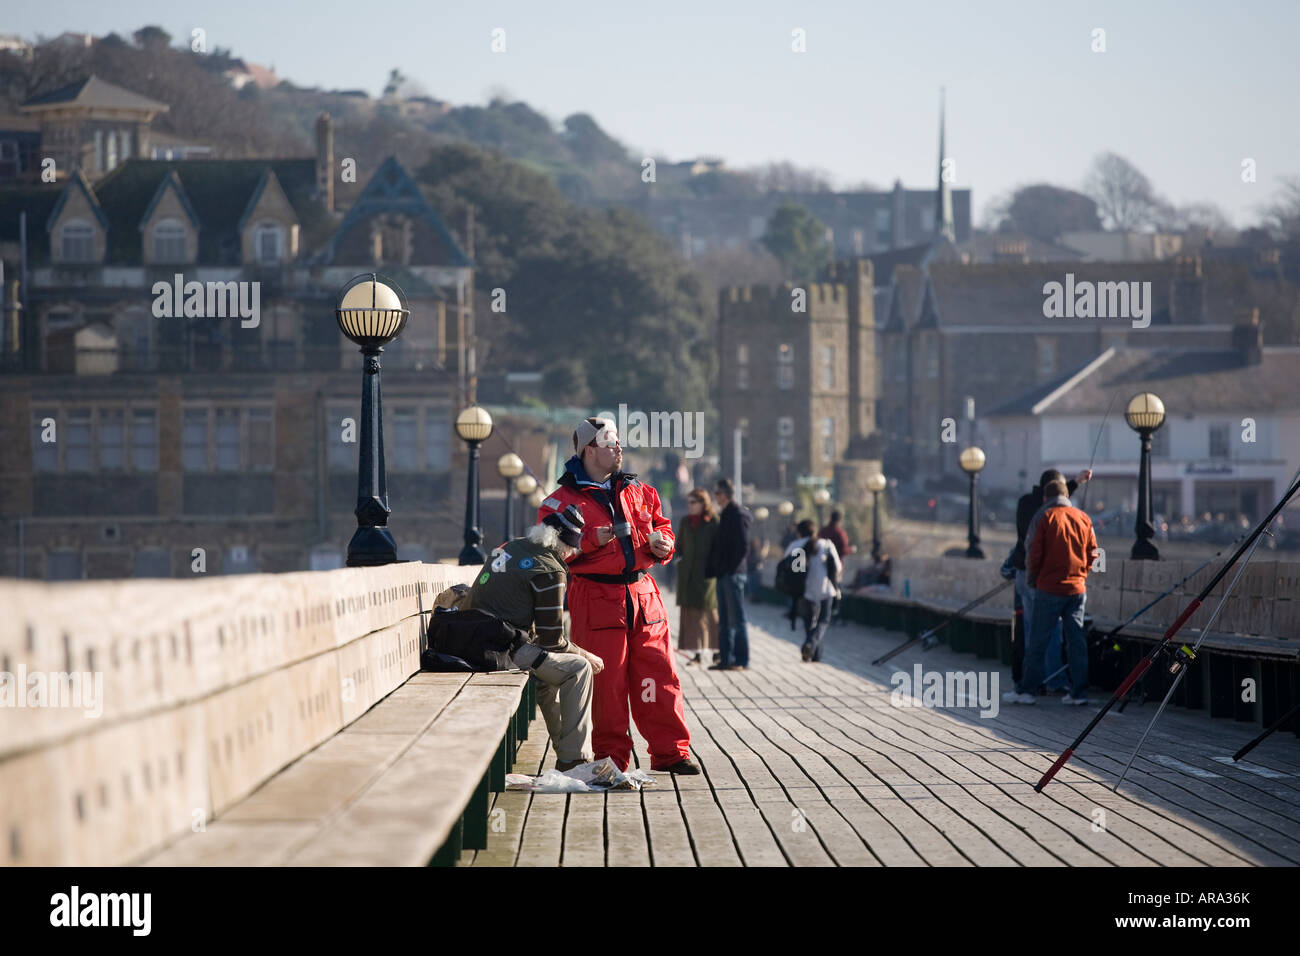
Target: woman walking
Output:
[(821, 586), (696, 594)]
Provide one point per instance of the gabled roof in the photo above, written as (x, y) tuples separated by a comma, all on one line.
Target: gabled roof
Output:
[(217, 192), (1188, 381), (77, 182), (93, 92), (172, 181), (268, 177), (391, 189)]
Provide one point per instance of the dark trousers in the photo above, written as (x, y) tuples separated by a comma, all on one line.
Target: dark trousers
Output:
[(816, 618), (733, 629)]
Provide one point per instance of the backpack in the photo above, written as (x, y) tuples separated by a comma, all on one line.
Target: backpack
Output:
[(790, 580), (470, 639)]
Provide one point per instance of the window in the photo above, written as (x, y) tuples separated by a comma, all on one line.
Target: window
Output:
[(828, 439), (437, 439), (112, 439), (742, 366), (859, 242), (77, 454), (1099, 438), (882, 222), (144, 439), (402, 451), (194, 439), (927, 220), (828, 366), (785, 438), (112, 150), (64, 566), (1220, 440), (152, 563), (45, 454), (99, 150), (1160, 442), (785, 365), (126, 144), (261, 441), (77, 240), (1046, 358), (268, 243), (227, 439), (169, 241), (342, 454)]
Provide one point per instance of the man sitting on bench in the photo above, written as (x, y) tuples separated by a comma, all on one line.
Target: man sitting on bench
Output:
[(523, 584)]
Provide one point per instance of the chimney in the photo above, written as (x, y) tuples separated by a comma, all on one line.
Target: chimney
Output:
[(1248, 336), (325, 159), (13, 314), (1187, 292)]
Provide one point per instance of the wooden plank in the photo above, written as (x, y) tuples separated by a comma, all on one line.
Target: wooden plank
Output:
[(407, 813)]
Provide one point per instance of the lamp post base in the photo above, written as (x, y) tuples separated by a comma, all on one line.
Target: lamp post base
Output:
[(371, 546), (974, 551), (1144, 550), (471, 554)]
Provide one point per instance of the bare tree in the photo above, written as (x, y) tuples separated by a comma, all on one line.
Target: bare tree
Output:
[(1283, 214), (1124, 196)]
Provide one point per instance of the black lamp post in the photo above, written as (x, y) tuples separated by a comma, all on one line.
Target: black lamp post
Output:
[(526, 485), (1145, 414), (875, 484), (473, 425), (371, 313), (972, 461), (510, 466)]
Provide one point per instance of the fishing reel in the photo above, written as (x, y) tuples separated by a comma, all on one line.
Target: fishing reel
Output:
[(1179, 658)]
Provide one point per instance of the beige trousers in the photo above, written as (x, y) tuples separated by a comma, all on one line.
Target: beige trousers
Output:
[(564, 697)]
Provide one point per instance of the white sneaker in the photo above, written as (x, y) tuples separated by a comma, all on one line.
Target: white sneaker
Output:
[(1011, 697), (1069, 701)]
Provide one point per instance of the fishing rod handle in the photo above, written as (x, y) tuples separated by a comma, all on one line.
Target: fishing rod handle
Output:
[(1061, 761)]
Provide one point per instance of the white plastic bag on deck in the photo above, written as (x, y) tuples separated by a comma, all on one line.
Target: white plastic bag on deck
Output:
[(595, 777)]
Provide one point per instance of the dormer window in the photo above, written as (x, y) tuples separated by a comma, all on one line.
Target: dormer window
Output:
[(77, 241), (268, 243), (169, 241)]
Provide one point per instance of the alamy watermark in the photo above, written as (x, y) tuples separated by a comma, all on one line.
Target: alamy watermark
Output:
[(208, 300), (83, 691), (945, 689), (660, 429), (1098, 300)]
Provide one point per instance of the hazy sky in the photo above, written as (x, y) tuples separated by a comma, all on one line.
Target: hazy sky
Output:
[(1185, 90)]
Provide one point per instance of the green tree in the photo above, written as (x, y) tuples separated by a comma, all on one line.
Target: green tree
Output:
[(798, 240)]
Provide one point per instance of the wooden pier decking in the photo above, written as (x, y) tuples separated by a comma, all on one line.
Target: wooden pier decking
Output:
[(812, 765)]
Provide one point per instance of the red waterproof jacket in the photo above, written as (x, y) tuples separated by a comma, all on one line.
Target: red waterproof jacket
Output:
[(639, 506)]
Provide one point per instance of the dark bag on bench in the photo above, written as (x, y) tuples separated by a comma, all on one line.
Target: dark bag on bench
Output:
[(470, 640)]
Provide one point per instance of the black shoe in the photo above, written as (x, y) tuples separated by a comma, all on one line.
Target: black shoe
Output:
[(717, 657), (720, 667), (563, 765), (684, 766), (806, 652)]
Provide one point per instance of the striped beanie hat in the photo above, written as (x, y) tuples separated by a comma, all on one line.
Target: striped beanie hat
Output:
[(569, 523)]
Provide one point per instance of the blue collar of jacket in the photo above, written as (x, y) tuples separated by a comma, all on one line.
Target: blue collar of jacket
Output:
[(576, 475)]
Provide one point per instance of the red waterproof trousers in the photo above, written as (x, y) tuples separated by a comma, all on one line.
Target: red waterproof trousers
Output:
[(638, 670)]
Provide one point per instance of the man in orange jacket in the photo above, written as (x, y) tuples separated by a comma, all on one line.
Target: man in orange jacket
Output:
[(1060, 545), (615, 609)]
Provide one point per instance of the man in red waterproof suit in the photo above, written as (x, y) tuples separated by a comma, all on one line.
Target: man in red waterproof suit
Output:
[(614, 604)]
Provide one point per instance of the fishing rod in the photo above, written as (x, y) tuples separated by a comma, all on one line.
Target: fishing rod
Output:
[(1114, 632), (1185, 655), (1167, 639), (1260, 739), (939, 627), (1083, 499)]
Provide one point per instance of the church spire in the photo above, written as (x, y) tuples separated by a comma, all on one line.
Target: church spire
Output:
[(943, 224)]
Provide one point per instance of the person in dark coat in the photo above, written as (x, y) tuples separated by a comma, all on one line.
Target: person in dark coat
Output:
[(727, 565), (696, 593)]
